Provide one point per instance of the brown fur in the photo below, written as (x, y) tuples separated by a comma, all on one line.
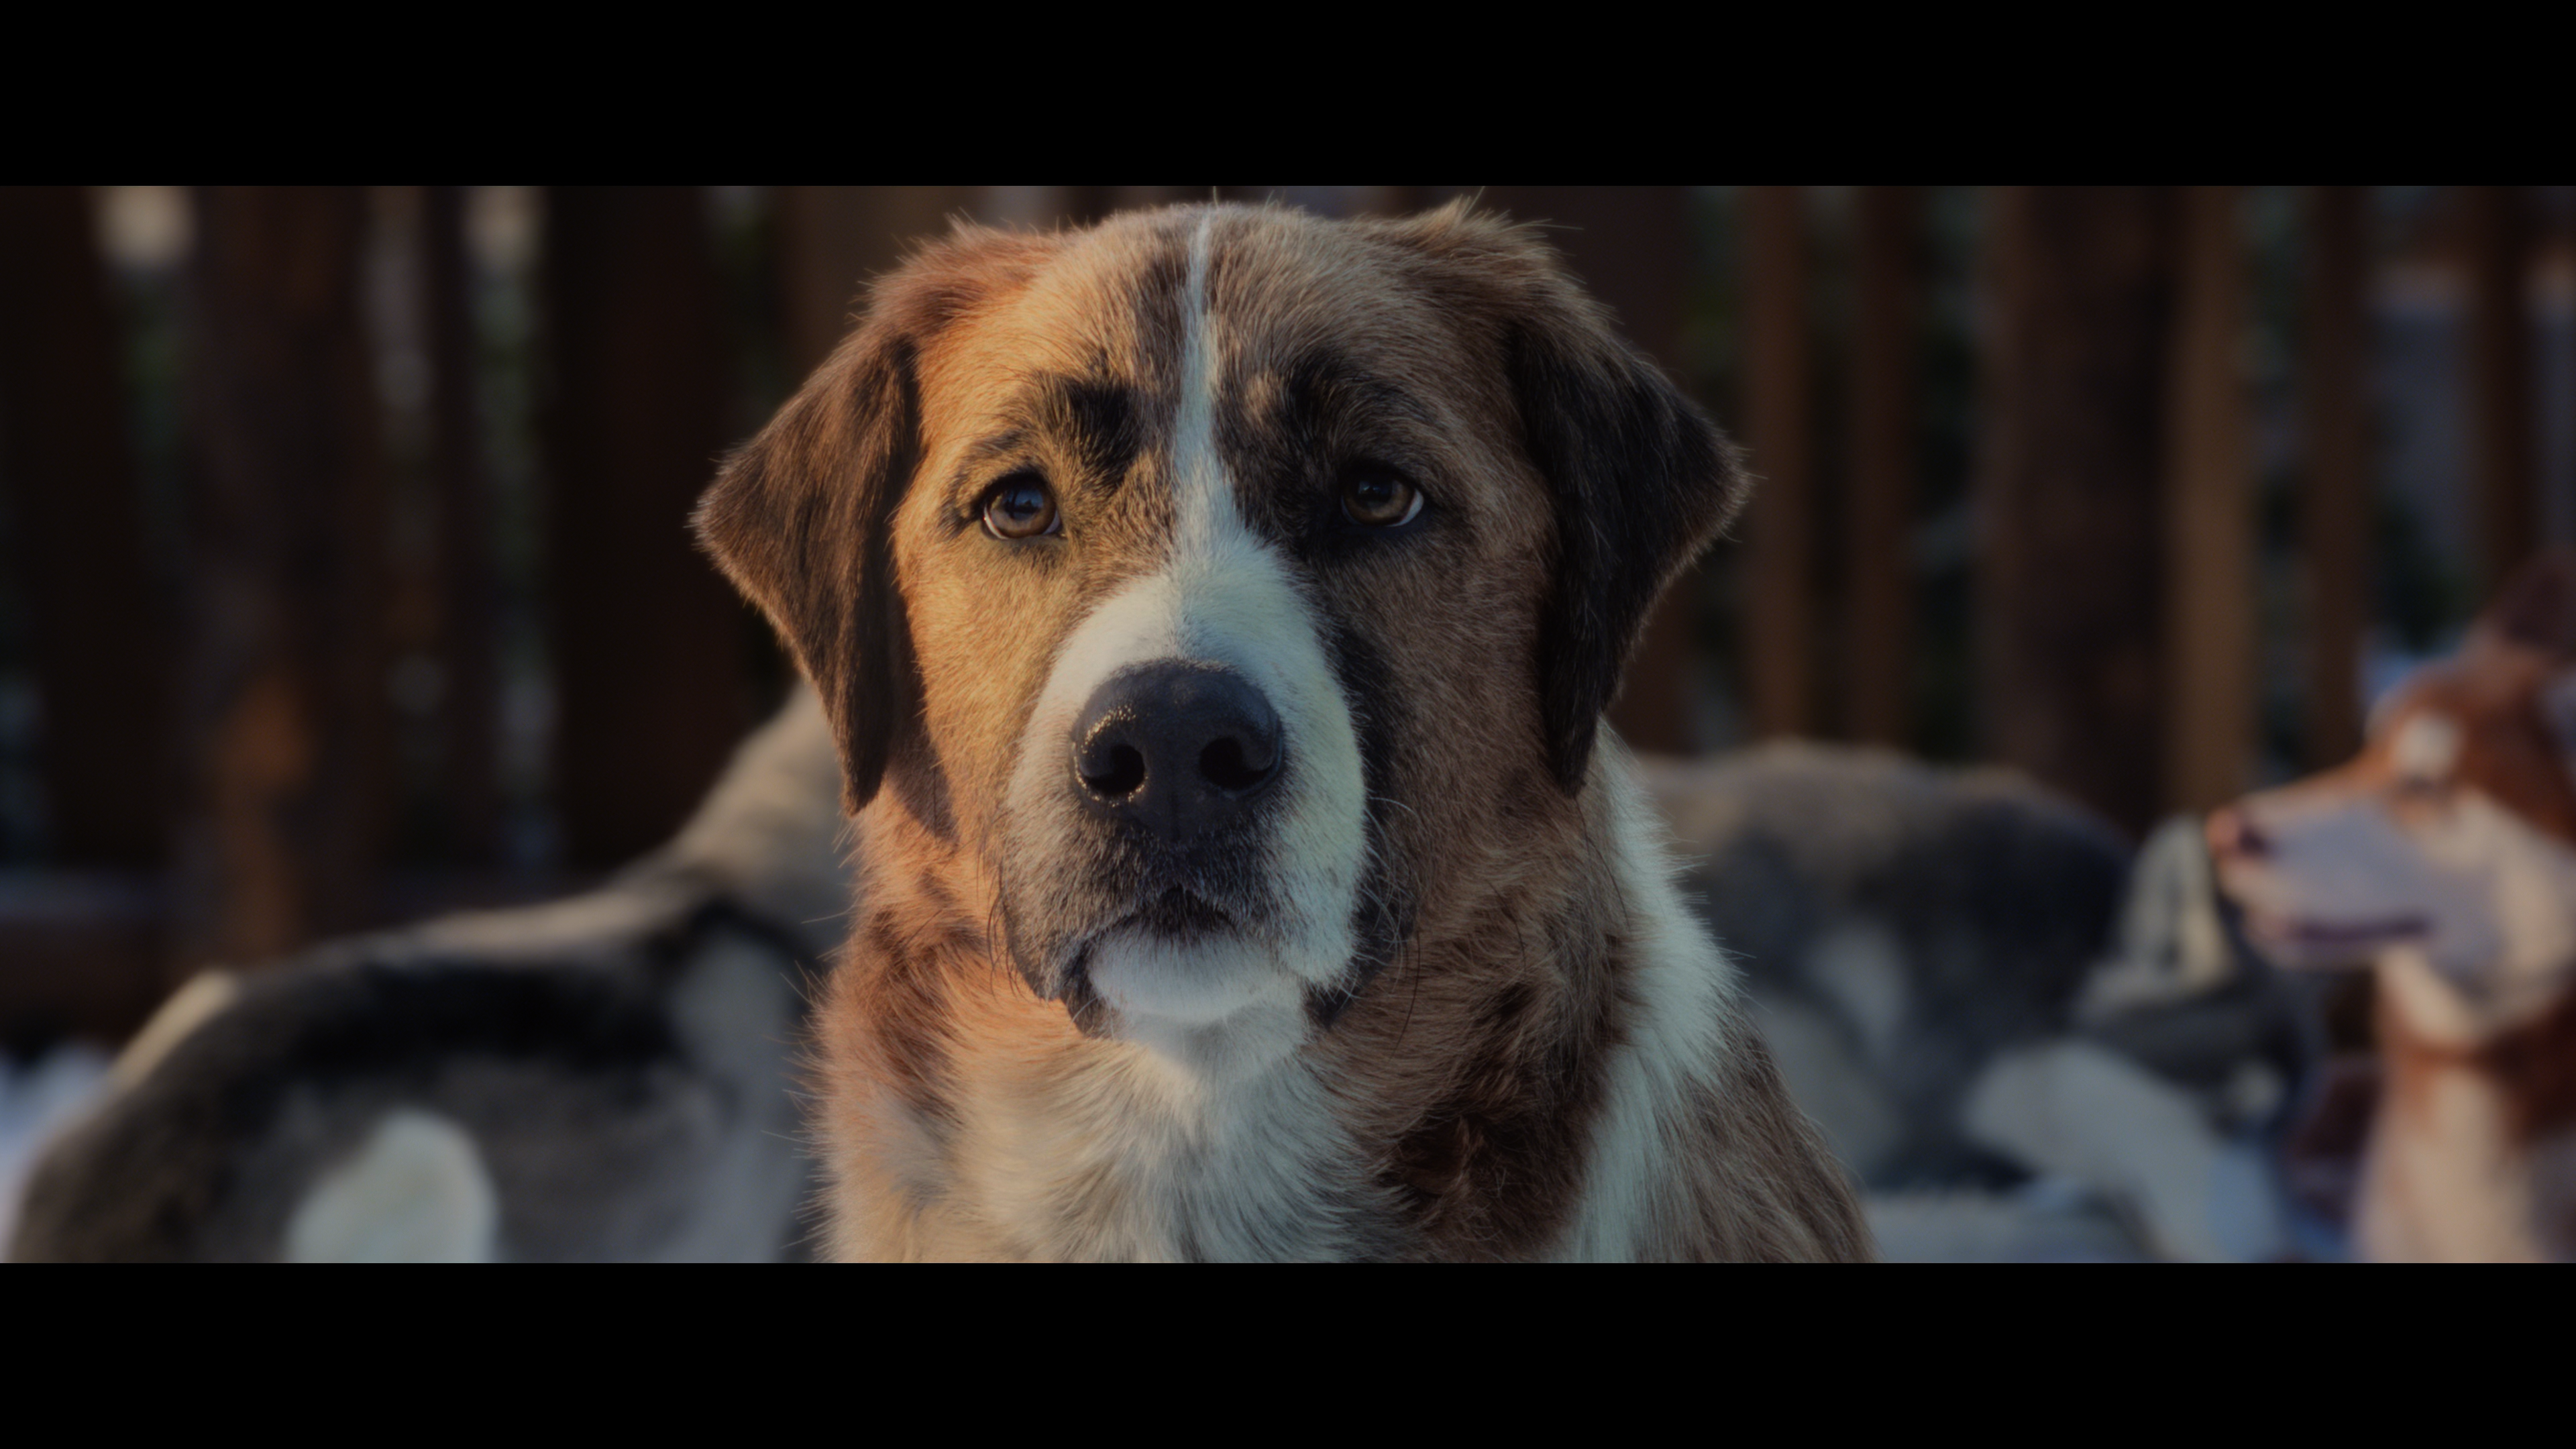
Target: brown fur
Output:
[(1465, 1058), (2532, 1063)]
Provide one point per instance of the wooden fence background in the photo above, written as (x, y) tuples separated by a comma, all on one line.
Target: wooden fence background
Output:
[(343, 573)]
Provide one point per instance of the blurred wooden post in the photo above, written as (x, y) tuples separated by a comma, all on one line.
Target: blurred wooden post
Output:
[(1878, 562), (1779, 610), (287, 717), (469, 626), (649, 642), (1631, 247), (100, 645), (2211, 709), (2335, 539), (2504, 431), (2079, 284)]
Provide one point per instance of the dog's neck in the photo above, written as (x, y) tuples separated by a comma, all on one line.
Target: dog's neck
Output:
[(2480, 1108)]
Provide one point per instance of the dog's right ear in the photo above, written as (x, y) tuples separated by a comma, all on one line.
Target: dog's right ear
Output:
[(801, 518)]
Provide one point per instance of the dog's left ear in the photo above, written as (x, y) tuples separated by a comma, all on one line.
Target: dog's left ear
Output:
[(802, 517), (1639, 478), (1642, 483)]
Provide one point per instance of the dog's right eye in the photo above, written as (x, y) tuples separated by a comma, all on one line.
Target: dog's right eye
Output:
[(1021, 506)]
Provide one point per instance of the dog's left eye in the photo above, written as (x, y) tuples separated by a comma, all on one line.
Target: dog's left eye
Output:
[(1379, 497), (1021, 506)]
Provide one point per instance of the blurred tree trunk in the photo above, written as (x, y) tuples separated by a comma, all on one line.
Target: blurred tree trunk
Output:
[(1878, 559), (1631, 247), (469, 623), (101, 646), (287, 717), (2080, 287), (2334, 547), (649, 642), (2504, 428), (1779, 530), (2210, 705)]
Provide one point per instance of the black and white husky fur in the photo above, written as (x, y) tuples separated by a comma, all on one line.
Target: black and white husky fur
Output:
[(605, 1077)]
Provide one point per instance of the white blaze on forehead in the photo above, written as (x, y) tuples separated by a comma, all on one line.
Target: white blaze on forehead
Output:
[(1222, 582), (1218, 594), (1200, 488), (2427, 747), (1221, 593)]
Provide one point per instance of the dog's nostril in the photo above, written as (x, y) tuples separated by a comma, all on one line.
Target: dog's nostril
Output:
[(1224, 765), (1119, 775)]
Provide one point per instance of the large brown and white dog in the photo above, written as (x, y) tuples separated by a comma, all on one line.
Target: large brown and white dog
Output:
[(1215, 610), (2446, 856)]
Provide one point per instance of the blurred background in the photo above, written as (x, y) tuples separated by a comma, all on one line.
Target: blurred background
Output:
[(344, 574)]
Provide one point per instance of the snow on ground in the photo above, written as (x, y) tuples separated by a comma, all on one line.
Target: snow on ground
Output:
[(2045, 1221), (36, 1098)]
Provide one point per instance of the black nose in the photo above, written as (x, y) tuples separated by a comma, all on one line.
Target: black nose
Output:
[(1179, 748)]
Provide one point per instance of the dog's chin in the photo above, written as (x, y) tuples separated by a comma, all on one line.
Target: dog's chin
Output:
[(1221, 1004)]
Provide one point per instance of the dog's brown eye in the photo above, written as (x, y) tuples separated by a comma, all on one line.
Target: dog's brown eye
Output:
[(1020, 506), (1379, 498)]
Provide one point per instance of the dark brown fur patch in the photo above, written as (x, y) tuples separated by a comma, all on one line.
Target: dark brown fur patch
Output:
[(1494, 1166), (2536, 1063), (2532, 1063)]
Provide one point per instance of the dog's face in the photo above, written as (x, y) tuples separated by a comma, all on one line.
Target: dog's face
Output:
[(1222, 583), (2453, 836)]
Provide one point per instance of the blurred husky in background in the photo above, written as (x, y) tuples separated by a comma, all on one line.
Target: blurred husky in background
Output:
[(2445, 858), (2021, 1038), (605, 1077)]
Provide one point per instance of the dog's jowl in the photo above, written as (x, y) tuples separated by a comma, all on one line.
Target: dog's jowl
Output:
[(1216, 610)]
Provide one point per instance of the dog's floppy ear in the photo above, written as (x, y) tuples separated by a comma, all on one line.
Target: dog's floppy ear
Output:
[(1641, 481), (801, 518)]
